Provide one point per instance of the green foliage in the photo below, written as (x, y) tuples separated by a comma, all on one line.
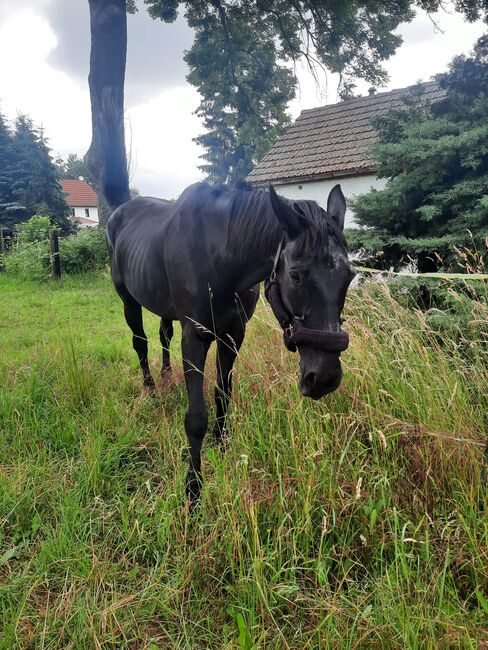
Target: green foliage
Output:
[(437, 161), (73, 167), (455, 310), (30, 260), (357, 521), (240, 62), (28, 177), (8, 201), (34, 229), (245, 89), (84, 252)]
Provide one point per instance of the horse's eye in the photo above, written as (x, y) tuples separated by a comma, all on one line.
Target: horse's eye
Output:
[(295, 277)]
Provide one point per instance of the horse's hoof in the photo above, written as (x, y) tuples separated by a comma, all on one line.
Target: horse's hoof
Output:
[(149, 390), (166, 377), (166, 371)]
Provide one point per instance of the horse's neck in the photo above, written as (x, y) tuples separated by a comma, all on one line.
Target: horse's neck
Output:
[(255, 252)]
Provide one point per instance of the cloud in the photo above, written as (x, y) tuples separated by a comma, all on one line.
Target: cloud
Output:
[(163, 155), (155, 49)]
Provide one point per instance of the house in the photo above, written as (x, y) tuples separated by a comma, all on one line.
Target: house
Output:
[(82, 201), (331, 144)]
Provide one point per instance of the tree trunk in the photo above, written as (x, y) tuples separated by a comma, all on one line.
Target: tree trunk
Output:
[(104, 211), (106, 157)]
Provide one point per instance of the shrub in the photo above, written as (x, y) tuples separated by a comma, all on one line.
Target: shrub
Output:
[(86, 251), (29, 260), (456, 310), (34, 229), (81, 253)]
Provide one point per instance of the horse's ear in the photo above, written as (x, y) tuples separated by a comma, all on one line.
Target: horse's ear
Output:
[(292, 221), (336, 205)]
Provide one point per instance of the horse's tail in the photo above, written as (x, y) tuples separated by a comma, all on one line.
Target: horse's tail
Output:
[(111, 177), (106, 157)]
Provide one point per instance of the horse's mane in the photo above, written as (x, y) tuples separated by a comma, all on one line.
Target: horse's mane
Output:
[(253, 223)]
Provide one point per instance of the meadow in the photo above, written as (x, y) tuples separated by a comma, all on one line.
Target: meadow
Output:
[(358, 521)]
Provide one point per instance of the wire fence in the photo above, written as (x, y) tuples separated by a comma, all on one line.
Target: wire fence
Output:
[(438, 275)]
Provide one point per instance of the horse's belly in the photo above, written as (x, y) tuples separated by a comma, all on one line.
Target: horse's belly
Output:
[(156, 302), (147, 282)]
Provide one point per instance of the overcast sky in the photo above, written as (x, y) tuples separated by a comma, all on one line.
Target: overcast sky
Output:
[(44, 49)]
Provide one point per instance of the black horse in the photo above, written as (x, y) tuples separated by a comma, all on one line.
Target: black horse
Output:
[(200, 261)]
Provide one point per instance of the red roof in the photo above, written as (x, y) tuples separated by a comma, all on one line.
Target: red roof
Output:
[(79, 194)]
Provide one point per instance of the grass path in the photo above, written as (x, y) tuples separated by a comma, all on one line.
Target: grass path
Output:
[(355, 522)]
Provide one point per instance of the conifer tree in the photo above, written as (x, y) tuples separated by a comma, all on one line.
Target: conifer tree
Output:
[(8, 204), (29, 182), (437, 165)]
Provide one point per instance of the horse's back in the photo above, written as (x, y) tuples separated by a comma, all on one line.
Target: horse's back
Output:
[(141, 214)]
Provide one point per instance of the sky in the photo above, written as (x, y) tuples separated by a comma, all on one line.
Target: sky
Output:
[(44, 50)]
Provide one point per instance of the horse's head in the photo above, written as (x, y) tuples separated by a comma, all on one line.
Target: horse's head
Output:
[(313, 274)]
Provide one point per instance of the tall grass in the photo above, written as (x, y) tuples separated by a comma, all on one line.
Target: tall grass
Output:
[(357, 521)]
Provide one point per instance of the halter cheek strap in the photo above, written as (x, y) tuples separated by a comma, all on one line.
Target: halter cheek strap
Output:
[(294, 333)]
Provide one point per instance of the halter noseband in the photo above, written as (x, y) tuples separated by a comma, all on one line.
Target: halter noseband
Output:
[(294, 333)]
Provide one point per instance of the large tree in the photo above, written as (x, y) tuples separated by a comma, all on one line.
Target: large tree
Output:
[(106, 157), (28, 177), (437, 163), (8, 200), (240, 61), (241, 64)]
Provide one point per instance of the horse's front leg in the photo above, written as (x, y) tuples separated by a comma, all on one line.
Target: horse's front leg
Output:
[(194, 350), (227, 348)]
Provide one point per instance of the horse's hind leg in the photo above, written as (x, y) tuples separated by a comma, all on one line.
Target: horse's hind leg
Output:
[(133, 316), (165, 335)]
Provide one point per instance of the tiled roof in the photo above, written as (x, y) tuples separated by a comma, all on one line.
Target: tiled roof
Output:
[(79, 194), (333, 140)]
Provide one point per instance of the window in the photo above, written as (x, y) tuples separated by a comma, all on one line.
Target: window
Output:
[(87, 213), (300, 187)]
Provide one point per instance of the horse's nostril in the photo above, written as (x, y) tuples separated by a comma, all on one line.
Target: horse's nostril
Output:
[(309, 380)]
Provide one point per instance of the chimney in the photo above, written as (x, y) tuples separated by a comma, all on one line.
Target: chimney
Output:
[(371, 91)]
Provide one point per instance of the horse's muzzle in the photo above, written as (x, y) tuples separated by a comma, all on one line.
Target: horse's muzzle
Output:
[(314, 387), (320, 373)]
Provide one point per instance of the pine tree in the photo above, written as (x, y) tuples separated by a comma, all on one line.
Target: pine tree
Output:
[(32, 179), (37, 185), (9, 207), (437, 163)]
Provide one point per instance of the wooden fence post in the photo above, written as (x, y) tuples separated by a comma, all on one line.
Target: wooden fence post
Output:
[(2, 251), (55, 261)]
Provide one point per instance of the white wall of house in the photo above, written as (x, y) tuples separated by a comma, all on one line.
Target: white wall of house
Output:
[(319, 190), (81, 212)]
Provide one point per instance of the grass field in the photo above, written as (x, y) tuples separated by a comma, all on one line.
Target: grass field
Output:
[(355, 522)]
